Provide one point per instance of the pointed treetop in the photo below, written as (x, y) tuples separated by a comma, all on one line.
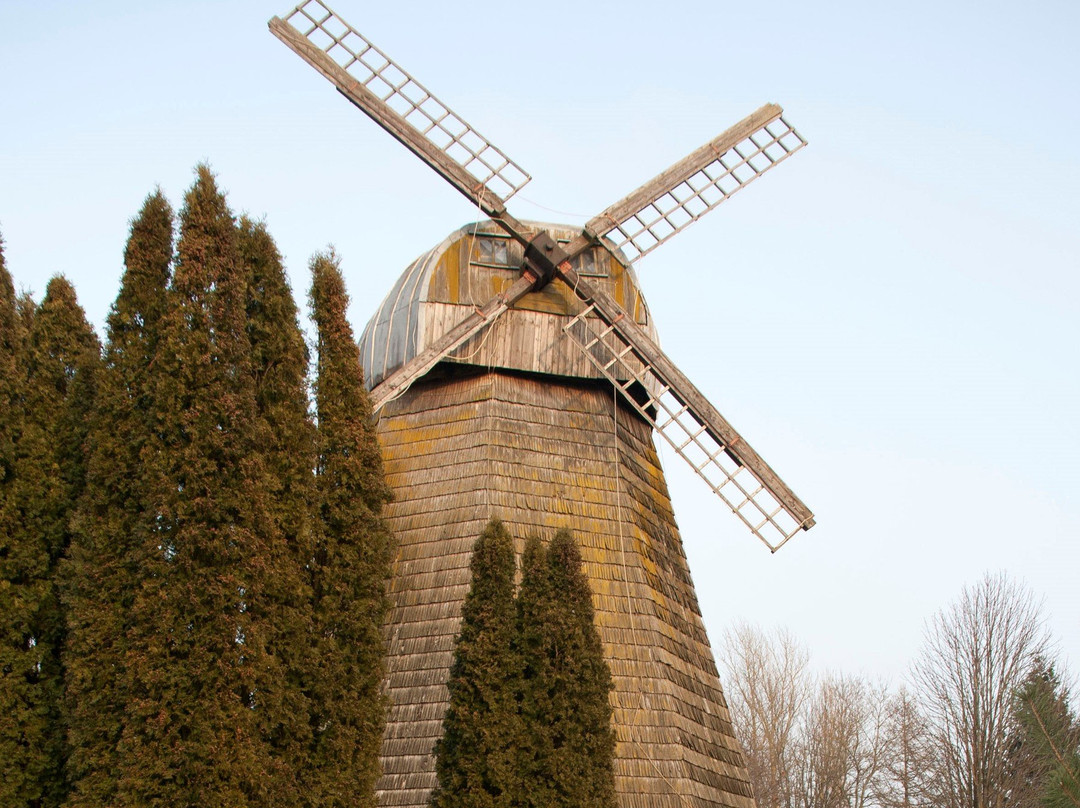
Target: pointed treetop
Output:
[(58, 293), (565, 556), (329, 300), (340, 396), (533, 558), (148, 258), (328, 281), (149, 247), (277, 343), (63, 359), (492, 568), (7, 289), (206, 251), (61, 334)]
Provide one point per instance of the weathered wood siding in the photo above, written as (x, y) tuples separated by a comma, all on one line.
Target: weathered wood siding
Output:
[(445, 284), (542, 453)]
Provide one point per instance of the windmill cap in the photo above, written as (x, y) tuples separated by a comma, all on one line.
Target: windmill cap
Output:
[(468, 268)]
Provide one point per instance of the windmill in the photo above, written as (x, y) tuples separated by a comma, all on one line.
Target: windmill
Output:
[(515, 373)]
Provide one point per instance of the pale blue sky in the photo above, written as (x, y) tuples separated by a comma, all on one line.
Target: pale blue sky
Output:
[(892, 317)]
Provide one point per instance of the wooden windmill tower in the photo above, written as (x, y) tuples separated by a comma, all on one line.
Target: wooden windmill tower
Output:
[(515, 373)]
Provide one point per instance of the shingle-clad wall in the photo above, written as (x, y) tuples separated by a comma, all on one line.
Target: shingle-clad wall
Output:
[(542, 452)]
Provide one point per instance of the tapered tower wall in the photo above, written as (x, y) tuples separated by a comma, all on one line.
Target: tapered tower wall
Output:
[(464, 445)]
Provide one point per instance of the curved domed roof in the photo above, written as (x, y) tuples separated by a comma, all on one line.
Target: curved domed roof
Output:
[(470, 266)]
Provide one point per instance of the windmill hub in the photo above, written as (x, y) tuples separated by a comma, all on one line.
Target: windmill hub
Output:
[(543, 257)]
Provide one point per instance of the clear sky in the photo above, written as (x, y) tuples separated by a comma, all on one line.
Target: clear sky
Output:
[(892, 317)]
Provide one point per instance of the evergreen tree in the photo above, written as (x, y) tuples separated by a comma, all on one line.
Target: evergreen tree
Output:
[(565, 729), (61, 355), (279, 360), (533, 751), (351, 563), (1048, 744), (14, 615), (11, 346), (202, 676), (475, 758), (286, 440), (12, 369), (101, 575)]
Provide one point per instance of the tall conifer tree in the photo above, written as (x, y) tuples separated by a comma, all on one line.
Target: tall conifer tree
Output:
[(101, 572), (533, 752), (14, 617), (11, 341), (565, 716), (286, 439), (475, 762), (1046, 749), (351, 564), (61, 361), (200, 665), (279, 360)]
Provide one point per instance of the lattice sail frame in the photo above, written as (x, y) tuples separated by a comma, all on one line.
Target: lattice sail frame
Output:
[(415, 104), (720, 171), (654, 397)]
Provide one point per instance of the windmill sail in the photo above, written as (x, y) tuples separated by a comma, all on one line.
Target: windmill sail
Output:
[(662, 395), (401, 105), (679, 196)]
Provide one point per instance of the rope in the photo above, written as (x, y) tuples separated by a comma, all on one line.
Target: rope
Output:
[(524, 198), (487, 333)]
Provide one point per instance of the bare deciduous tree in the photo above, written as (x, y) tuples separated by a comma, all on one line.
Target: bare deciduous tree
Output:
[(844, 744), (905, 777), (766, 686), (975, 654)]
